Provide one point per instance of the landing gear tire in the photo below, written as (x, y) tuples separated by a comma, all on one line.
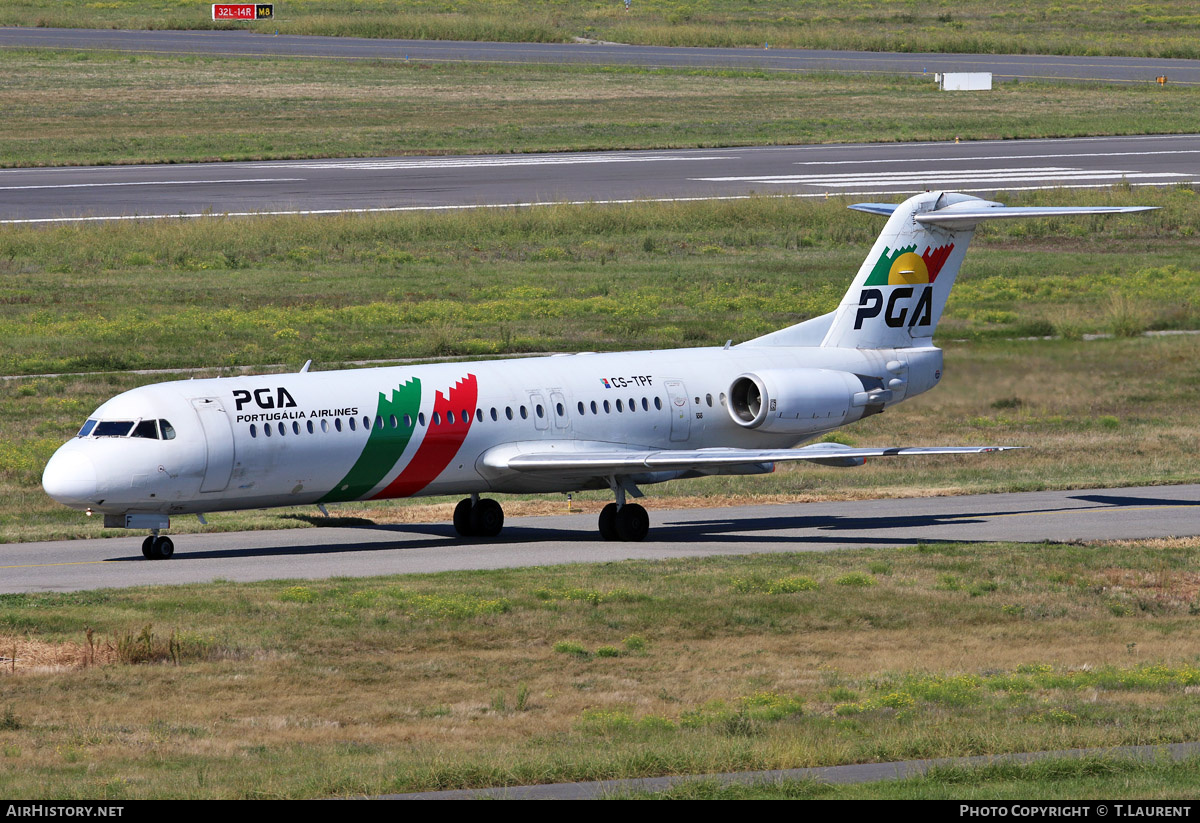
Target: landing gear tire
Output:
[(487, 518), (632, 522), (157, 548), (608, 522), (462, 518), (483, 519)]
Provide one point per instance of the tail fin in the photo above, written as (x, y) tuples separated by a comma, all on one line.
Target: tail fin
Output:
[(899, 294)]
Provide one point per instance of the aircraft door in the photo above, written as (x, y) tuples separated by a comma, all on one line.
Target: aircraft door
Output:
[(681, 410), (218, 438), (558, 407), (541, 415)]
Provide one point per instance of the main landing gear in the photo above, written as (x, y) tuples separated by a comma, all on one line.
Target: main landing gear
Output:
[(156, 547), (478, 518), (628, 522), (475, 517), (621, 520)]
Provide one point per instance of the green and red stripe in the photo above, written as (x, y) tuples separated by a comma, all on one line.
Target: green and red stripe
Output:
[(385, 445), (454, 412)]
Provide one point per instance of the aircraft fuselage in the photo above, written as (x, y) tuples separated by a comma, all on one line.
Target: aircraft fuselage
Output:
[(376, 433)]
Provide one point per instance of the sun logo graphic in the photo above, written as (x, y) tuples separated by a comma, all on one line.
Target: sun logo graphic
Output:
[(905, 268)]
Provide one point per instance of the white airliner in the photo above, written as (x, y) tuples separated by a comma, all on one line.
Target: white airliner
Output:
[(553, 424)]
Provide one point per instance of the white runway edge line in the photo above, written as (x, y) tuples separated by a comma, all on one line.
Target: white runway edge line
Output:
[(156, 183), (391, 209), (1007, 157), (945, 176), (901, 175), (483, 162)]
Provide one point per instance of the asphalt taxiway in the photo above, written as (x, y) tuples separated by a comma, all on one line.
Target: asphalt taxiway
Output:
[(358, 551)]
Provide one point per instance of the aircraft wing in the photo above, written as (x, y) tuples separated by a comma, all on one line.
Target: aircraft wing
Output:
[(605, 459)]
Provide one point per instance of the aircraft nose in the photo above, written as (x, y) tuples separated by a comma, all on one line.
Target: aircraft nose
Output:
[(70, 478)]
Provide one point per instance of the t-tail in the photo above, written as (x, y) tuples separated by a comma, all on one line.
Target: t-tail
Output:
[(901, 290)]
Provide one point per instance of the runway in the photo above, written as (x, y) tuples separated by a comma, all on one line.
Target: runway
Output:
[(1004, 67), (315, 553), (880, 170)]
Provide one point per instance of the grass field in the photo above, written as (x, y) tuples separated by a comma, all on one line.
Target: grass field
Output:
[(344, 687), (69, 108), (1120, 27)]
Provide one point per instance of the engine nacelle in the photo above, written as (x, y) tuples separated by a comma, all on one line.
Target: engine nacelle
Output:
[(796, 401)]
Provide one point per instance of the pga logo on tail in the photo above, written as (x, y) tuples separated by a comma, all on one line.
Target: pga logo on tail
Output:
[(902, 267)]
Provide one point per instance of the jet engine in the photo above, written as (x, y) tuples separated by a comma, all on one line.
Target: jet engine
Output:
[(798, 401)]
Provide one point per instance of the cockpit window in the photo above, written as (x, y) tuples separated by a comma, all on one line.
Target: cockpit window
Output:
[(112, 428), (146, 429)]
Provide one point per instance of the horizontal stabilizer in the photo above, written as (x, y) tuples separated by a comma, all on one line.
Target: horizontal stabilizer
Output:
[(885, 209), (970, 213)]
